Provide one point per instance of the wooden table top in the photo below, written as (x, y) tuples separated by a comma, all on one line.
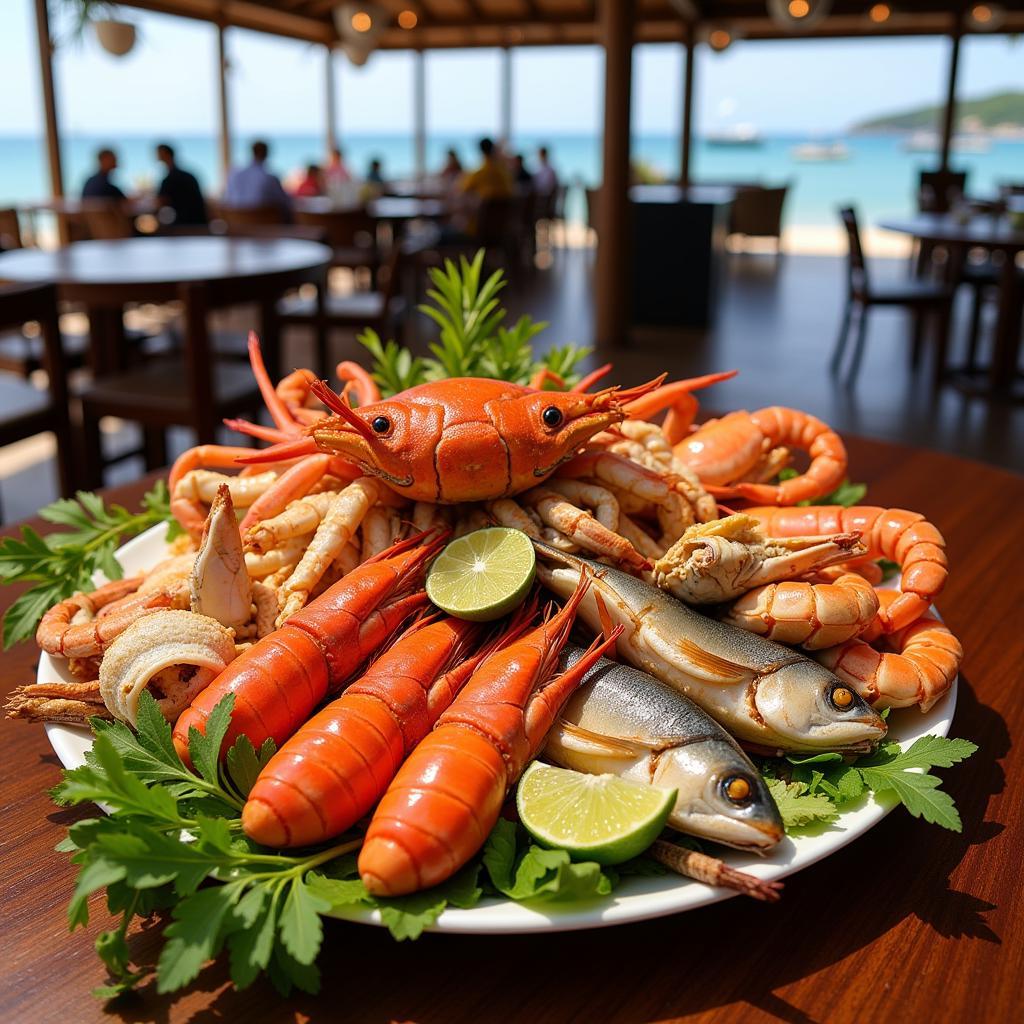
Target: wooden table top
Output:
[(910, 922), (162, 260), (980, 230)]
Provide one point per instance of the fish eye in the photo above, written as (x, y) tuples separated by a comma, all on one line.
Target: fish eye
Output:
[(841, 697), (737, 789), (552, 416), (380, 424)]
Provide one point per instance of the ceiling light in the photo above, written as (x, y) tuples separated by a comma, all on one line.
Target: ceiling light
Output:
[(986, 17), (798, 15), (361, 21), (407, 19), (880, 13)]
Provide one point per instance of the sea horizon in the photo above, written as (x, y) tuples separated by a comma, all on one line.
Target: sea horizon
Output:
[(878, 175)]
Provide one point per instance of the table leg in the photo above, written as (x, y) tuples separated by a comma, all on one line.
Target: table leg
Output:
[(199, 364), (107, 341), (1007, 340)]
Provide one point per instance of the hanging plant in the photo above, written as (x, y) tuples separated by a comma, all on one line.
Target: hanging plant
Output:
[(115, 36)]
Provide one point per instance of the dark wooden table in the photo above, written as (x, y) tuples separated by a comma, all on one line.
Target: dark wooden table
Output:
[(909, 923), (204, 272), (996, 234)]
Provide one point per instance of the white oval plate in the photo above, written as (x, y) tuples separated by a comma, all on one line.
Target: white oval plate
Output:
[(635, 899)]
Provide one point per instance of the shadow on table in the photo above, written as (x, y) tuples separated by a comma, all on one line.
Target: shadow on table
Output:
[(734, 952)]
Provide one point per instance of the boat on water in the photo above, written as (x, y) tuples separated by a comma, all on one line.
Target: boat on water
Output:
[(820, 152), (738, 135), (930, 142)]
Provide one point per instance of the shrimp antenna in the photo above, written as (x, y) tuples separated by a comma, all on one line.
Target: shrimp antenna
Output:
[(337, 405)]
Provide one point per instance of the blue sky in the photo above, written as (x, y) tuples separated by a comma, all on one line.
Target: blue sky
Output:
[(168, 83)]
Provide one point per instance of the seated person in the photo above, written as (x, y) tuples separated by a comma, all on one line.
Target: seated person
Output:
[(491, 180), (254, 186), (99, 186), (180, 191), (545, 180), (312, 183)]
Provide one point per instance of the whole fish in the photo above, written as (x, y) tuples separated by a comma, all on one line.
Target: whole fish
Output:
[(766, 695), (624, 722)]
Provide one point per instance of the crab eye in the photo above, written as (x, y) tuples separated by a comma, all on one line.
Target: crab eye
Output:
[(841, 697), (552, 416), (380, 424), (736, 789)]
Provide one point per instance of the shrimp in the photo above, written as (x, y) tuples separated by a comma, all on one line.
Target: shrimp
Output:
[(920, 668), (906, 538), (813, 614), (58, 634)]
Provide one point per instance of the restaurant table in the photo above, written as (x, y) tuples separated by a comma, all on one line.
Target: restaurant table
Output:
[(678, 253), (995, 234), (200, 271), (908, 923)]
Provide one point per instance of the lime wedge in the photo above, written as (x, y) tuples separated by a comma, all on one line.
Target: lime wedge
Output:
[(594, 817), (483, 575)]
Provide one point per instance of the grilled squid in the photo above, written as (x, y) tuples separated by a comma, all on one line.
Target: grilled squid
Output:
[(173, 654)]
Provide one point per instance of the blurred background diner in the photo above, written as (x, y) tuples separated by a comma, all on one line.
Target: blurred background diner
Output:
[(830, 199)]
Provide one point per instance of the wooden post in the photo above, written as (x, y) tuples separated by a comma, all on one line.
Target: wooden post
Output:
[(419, 108), (614, 245), (949, 114), (687, 129), (330, 107), (505, 132), (225, 117), (50, 111)]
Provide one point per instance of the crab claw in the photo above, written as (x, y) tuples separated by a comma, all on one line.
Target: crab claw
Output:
[(720, 560), (219, 585)]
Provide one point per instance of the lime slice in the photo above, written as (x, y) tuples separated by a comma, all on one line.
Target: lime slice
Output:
[(483, 575), (594, 817)]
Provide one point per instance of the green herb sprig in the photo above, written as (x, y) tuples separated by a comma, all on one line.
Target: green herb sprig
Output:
[(171, 829), (812, 789), (63, 563), (472, 341)]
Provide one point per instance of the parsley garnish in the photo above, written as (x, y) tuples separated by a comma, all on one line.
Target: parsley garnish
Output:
[(171, 829), (63, 563), (810, 788)]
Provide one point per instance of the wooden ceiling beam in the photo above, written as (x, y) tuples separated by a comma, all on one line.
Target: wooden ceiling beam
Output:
[(241, 14)]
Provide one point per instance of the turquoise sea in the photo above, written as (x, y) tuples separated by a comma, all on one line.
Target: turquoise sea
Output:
[(879, 176)]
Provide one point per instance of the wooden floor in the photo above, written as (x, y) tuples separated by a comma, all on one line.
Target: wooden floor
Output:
[(777, 324)]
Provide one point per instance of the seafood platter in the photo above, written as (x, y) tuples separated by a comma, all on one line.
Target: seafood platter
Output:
[(503, 651)]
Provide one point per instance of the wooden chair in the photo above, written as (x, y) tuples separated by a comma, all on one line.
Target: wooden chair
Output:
[(380, 310), (937, 191), (192, 389), (26, 410), (106, 220), (757, 213), (352, 234), (922, 298), (238, 217), (10, 230)]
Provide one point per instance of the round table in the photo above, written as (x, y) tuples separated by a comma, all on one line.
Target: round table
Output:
[(203, 272), (909, 923), (996, 235)]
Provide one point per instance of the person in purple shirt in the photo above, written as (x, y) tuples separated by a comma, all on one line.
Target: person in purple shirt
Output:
[(255, 186)]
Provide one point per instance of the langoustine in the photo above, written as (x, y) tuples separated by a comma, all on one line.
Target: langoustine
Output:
[(447, 796)]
